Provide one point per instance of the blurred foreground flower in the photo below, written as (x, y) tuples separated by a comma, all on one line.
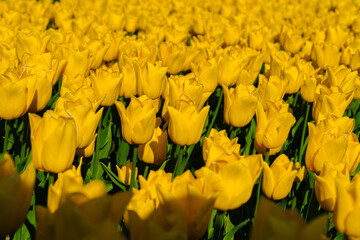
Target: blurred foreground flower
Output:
[(96, 219), (15, 194), (271, 222)]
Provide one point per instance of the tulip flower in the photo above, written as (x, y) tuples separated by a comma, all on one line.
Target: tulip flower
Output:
[(174, 57), (155, 150), (325, 54), (272, 89), (278, 178), (30, 43), (232, 181), (351, 58), (332, 140), (186, 125), (53, 141), (272, 222), (128, 85), (347, 206), (325, 188), (137, 120), (86, 120), (124, 173), (207, 74), (77, 63), (186, 198), (229, 69), (342, 78), (218, 144), (150, 79), (273, 126), (16, 96), (97, 219), (15, 194), (69, 187), (106, 83), (97, 49), (308, 89), (290, 40), (239, 105)]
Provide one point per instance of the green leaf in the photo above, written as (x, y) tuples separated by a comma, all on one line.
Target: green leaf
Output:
[(113, 177), (123, 153), (231, 233), (228, 224), (108, 185), (22, 233), (296, 126)]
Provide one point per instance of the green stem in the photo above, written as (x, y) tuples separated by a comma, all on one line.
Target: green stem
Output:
[(146, 171), (96, 160), (260, 182), (133, 169), (6, 139), (308, 209), (304, 132), (51, 179), (249, 137), (233, 132), (179, 162), (215, 113)]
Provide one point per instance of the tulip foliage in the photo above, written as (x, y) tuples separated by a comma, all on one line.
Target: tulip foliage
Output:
[(171, 119)]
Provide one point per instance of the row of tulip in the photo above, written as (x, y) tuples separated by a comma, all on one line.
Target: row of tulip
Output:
[(86, 84)]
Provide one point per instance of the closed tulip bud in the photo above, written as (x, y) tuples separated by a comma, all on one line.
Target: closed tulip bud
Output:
[(273, 126), (217, 144), (308, 89), (232, 34), (232, 182), (332, 140), (325, 54), (186, 124), (69, 187), (272, 89), (124, 173), (173, 56), (327, 102), (272, 222), (53, 141), (290, 40), (155, 150), (106, 84), (278, 178), (239, 105), (113, 40), (137, 120), (150, 79), (347, 207), (15, 194), (325, 188)]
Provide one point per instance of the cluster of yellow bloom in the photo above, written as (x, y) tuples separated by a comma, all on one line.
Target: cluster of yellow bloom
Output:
[(159, 62)]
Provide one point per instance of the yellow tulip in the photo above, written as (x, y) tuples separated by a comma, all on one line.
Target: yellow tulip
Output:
[(97, 49), (290, 40), (124, 173), (30, 43), (186, 125), (273, 126), (229, 69), (325, 54), (342, 78), (332, 140), (272, 89), (351, 58), (15, 194), (272, 222), (106, 84), (15, 95), (347, 208), (150, 79), (44, 66), (69, 187), (232, 182), (137, 120), (308, 89), (240, 104), (185, 197), (278, 178), (218, 144), (77, 63), (325, 188), (207, 74), (86, 119), (53, 141), (97, 219), (174, 56), (327, 102), (155, 150), (128, 85)]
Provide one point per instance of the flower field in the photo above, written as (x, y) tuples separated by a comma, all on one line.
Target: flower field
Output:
[(193, 119)]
